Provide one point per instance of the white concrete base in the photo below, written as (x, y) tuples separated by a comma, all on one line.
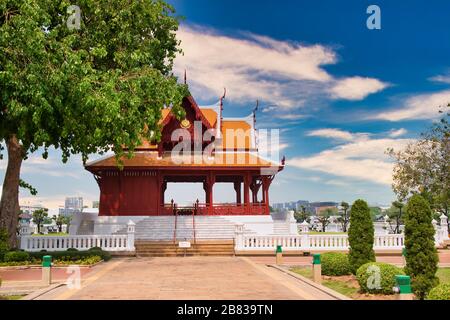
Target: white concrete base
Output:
[(207, 227)]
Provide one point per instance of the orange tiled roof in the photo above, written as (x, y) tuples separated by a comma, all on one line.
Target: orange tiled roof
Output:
[(240, 130), (150, 159)]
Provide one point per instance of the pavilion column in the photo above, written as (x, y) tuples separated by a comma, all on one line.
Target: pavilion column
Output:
[(265, 184), (237, 188), (247, 193), (208, 186), (163, 190)]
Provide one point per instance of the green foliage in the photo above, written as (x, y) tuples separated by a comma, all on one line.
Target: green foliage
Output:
[(360, 235), (39, 217), (335, 264), (377, 277), (440, 292), (344, 217), (421, 255), (72, 255), (4, 247), (374, 212), (423, 166), (16, 256), (72, 249), (95, 249), (97, 89)]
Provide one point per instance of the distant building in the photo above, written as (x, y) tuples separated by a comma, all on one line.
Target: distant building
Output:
[(72, 205), (95, 204), (29, 209)]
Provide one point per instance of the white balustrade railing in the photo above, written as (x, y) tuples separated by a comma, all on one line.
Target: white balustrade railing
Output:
[(118, 242), (329, 242)]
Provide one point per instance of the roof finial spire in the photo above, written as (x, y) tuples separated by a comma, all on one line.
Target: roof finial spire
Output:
[(221, 107)]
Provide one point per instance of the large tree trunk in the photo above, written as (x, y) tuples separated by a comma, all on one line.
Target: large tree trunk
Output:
[(9, 204)]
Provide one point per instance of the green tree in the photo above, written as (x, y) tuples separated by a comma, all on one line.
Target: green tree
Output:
[(60, 221), (421, 255), (424, 166), (395, 214), (344, 216), (301, 215), (360, 235), (324, 216), (89, 90), (39, 217)]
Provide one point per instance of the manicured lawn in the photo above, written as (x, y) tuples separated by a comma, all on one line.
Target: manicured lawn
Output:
[(341, 287), (303, 271), (10, 297), (345, 286), (443, 275)]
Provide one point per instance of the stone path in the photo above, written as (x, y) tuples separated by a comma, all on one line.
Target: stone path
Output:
[(221, 278)]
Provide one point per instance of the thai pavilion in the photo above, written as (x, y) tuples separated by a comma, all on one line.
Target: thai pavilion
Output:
[(228, 154), (204, 147)]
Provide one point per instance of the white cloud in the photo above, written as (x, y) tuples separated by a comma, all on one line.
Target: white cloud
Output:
[(363, 160), (397, 133), (337, 134), (252, 67), (441, 78), (423, 106), (356, 88)]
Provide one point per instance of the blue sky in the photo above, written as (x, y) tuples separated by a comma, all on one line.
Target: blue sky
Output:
[(341, 94)]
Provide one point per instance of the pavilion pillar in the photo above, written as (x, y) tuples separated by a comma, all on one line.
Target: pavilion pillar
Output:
[(159, 191), (265, 185), (237, 188), (163, 190), (247, 193), (208, 187)]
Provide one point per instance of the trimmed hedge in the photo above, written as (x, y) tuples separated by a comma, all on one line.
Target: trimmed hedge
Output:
[(72, 255), (440, 292), (421, 255), (335, 264), (360, 235), (368, 278), (16, 256)]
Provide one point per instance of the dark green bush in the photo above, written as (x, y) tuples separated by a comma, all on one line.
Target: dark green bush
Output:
[(421, 255), (72, 255), (72, 249), (373, 282), (335, 264), (440, 292), (360, 235), (95, 249), (4, 247), (16, 256)]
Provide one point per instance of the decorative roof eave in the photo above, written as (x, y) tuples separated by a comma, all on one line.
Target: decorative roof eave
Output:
[(198, 113)]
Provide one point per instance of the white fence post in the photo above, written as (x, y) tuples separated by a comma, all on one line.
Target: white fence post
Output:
[(444, 228), (437, 236), (131, 228), (239, 236)]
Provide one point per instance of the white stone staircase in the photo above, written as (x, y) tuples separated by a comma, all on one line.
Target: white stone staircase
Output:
[(160, 228)]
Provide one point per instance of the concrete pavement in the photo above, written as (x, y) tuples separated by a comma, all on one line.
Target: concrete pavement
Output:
[(212, 278)]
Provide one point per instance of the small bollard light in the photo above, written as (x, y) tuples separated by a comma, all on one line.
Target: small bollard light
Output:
[(46, 270), (403, 287), (279, 255), (317, 268)]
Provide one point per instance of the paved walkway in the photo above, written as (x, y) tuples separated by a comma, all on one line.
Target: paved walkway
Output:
[(221, 278)]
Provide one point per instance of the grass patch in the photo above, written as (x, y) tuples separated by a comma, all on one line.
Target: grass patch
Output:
[(13, 297), (341, 287), (444, 275), (303, 271)]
